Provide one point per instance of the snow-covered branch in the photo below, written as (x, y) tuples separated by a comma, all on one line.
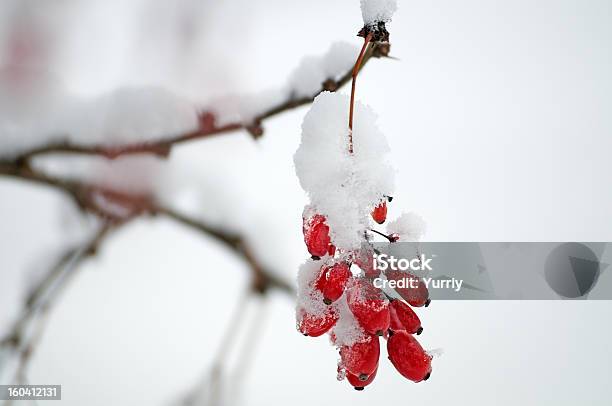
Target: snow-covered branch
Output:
[(209, 121)]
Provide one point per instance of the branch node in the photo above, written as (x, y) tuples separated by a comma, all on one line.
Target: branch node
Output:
[(255, 129), (330, 85)]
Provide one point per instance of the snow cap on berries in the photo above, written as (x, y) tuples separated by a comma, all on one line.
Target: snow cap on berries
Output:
[(375, 11), (343, 187), (410, 227)]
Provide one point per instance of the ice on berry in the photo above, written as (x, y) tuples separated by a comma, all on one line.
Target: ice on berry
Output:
[(410, 227), (309, 299), (374, 11), (343, 187), (347, 330)]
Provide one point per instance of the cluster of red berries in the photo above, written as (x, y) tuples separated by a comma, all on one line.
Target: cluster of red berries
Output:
[(376, 313)]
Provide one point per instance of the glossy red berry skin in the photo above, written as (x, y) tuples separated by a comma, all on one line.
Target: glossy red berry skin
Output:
[(314, 326), (357, 383), (332, 281), (408, 357), (403, 318), (316, 235), (379, 214), (369, 306), (361, 359), (416, 296)]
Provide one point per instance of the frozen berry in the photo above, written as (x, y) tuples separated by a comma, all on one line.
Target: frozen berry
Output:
[(379, 214), (315, 325), (316, 236), (369, 306), (408, 357), (361, 359), (331, 250), (404, 318), (363, 258), (357, 383), (415, 292), (332, 280)]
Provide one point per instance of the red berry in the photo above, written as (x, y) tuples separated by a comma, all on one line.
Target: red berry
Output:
[(332, 280), (379, 214), (316, 235), (361, 359), (314, 326), (369, 306), (364, 260), (404, 318), (357, 383), (416, 296), (331, 250), (408, 357)]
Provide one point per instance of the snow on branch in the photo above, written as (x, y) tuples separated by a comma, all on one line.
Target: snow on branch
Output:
[(128, 135)]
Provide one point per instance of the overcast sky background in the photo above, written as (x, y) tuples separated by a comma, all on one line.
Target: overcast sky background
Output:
[(498, 117)]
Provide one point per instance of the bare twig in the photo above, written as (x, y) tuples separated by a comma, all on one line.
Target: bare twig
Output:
[(42, 298), (86, 197), (262, 278), (358, 64), (207, 127), (209, 391)]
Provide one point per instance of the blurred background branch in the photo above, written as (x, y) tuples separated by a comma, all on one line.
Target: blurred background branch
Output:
[(27, 330)]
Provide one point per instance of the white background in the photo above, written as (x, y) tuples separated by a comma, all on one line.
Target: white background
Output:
[(498, 116)]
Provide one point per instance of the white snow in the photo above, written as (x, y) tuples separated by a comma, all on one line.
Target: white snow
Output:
[(309, 299), (435, 352), (347, 330), (339, 59), (39, 109), (307, 79), (374, 11), (343, 187), (409, 226), (243, 108), (43, 111)]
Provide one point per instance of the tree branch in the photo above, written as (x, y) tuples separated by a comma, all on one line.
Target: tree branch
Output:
[(207, 127), (96, 199), (262, 278), (44, 295)]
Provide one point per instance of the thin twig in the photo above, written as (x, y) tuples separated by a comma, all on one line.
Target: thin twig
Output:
[(210, 385), (358, 64), (262, 278), (43, 297), (137, 204)]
